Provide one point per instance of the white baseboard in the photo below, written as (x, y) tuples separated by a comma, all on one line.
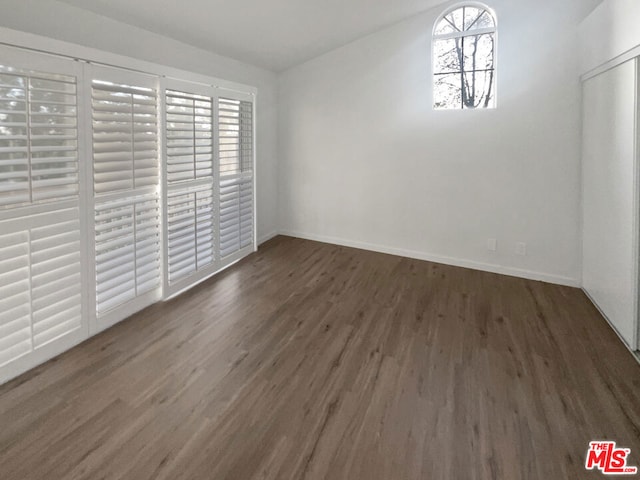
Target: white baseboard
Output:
[(456, 262), (267, 237)]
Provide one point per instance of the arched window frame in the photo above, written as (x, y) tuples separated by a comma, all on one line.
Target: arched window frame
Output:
[(435, 37)]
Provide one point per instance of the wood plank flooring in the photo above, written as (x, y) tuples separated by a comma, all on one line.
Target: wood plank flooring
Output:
[(313, 361)]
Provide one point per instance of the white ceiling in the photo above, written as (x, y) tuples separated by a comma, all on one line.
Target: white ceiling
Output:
[(274, 34)]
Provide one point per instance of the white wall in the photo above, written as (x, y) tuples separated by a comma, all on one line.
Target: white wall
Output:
[(61, 21), (611, 30), (366, 161)]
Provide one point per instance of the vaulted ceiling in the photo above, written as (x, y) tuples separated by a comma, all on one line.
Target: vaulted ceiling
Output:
[(274, 34)]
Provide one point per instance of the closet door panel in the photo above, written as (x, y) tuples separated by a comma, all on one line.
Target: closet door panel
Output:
[(610, 200)]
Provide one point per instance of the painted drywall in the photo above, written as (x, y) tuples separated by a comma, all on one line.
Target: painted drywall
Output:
[(61, 21), (366, 161), (611, 30), (609, 270)]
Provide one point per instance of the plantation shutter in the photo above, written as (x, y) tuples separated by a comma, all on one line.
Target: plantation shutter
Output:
[(40, 284), (127, 250), (235, 119), (15, 305), (125, 140), (189, 137), (81, 245), (39, 137), (41, 246), (191, 210), (55, 278), (124, 119), (190, 231)]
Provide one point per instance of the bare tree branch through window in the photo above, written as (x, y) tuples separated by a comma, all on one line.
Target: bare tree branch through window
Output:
[(464, 46)]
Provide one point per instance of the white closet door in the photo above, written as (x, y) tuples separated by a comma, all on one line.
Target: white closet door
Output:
[(126, 180), (236, 168), (610, 197), (41, 275)]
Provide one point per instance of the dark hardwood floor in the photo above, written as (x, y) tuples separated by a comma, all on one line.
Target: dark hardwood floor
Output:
[(312, 361)]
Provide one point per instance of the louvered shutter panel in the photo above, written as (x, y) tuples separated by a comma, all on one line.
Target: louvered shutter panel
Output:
[(115, 256), (40, 285), (41, 273), (229, 217), (127, 250), (181, 230), (190, 227), (38, 137), (125, 141), (246, 212), (191, 210), (55, 280), (126, 177), (53, 136), (246, 136), (15, 185), (148, 251), (236, 214), (236, 175), (15, 297), (189, 136)]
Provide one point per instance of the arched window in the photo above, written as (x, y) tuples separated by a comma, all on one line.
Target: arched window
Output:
[(464, 51)]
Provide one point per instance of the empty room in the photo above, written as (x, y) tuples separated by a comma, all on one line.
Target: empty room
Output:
[(319, 239)]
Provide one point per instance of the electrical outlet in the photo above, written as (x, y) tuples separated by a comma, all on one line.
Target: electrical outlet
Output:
[(521, 248), (492, 244)]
